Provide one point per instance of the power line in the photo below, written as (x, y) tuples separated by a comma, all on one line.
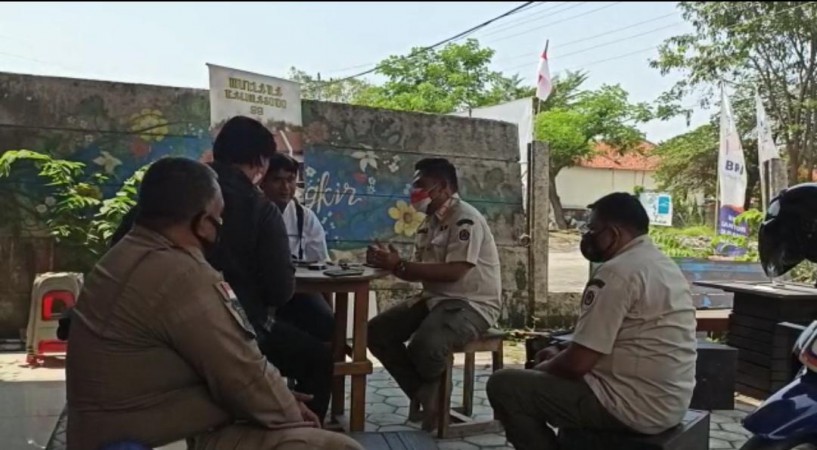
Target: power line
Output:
[(759, 18), (438, 44), (605, 44), (536, 5), (522, 21), (526, 18), (606, 33), (557, 22)]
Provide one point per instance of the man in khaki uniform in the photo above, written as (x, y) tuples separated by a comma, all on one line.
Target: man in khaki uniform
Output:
[(457, 262), (631, 363), (160, 349)]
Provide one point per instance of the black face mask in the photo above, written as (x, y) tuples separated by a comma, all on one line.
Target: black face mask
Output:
[(590, 249), (207, 245)]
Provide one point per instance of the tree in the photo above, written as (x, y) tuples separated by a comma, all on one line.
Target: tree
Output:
[(332, 90), (689, 162), (68, 202), (575, 120), (453, 78), (768, 45)]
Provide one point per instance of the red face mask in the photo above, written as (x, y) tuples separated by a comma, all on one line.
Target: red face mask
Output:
[(420, 199)]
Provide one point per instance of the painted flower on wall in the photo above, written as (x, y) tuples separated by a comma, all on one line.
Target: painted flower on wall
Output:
[(107, 161), (367, 158), (310, 172), (406, 218), (150, 125)]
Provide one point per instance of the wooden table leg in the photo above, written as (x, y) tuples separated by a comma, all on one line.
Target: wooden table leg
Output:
[(339, 352), (359, 345)]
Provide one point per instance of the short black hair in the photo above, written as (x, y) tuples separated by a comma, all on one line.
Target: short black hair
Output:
[(281, 161), (439, 168), (243, 140), (622, 208), (175, 190)]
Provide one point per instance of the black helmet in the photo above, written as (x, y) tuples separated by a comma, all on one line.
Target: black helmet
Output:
[(788, 234)]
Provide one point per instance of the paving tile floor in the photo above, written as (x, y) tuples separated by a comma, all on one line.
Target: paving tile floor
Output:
[(32, 399)]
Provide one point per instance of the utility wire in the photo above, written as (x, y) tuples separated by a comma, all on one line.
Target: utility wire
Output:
[(556, 22), (606, 33), (550, 13), (741, 24), (438, 44)]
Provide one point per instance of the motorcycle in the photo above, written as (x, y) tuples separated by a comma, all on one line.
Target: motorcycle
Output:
[(788, 419)]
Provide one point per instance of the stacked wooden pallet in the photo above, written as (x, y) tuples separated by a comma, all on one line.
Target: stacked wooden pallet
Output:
[(764, 348)]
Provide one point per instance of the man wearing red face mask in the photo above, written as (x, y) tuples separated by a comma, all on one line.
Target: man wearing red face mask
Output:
[(456, 261)]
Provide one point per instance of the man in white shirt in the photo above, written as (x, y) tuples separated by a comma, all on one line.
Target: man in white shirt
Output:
[(631, 364), (307, 242)]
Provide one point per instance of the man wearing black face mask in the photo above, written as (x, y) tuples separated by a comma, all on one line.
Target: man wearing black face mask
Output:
[(253, 254), (161, 351), (631, 364)]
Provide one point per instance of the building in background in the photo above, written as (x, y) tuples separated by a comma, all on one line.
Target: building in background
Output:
[(607, 172)]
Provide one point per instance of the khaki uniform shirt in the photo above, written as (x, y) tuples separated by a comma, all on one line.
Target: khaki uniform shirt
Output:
[(637, 311), (160, 351), (459, 233)]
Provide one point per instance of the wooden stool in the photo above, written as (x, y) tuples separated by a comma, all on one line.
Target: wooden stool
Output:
[(462, 424)]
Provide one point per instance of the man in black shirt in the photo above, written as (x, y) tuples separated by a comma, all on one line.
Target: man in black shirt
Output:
[(253, 255)]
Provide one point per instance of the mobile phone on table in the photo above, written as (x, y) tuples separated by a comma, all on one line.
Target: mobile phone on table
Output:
[(343, 272)]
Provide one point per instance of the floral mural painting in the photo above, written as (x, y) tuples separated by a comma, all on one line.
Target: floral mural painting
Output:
[(363, 195), (367, 158), (406, 218), (150, 125)]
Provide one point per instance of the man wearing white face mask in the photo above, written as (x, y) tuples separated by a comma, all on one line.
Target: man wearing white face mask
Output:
[(456, 261)]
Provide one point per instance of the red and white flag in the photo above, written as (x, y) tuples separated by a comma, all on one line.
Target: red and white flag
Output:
[(544, 84)]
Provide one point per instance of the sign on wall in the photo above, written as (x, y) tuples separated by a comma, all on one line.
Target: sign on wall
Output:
[(275, 102), (659, 207)]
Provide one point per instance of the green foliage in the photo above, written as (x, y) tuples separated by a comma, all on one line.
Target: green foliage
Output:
[(768, 45), (689, 163), (575, 122), (752, 218), (346, 91), (71, 205), (442, 81)]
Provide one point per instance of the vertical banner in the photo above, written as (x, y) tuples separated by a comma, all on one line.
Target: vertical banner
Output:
[(275, 102), (766, 151), (731, 173)]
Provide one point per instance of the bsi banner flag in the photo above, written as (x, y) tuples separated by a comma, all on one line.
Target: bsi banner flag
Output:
[(731, 173)]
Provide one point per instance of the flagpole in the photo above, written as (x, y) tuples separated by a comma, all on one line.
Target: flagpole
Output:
[(718, 172), (761, 163)]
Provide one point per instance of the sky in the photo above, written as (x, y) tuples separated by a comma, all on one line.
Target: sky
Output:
[(169, 43)]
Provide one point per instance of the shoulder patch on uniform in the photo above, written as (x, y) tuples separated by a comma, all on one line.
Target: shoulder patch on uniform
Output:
[(462, 222), (464, 235), (589, 297), (596, 282), (234, 307)]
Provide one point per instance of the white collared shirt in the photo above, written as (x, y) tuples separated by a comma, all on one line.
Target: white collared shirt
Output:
[(313, 241)]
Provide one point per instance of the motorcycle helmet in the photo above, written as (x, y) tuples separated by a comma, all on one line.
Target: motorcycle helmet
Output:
[(788, 234)]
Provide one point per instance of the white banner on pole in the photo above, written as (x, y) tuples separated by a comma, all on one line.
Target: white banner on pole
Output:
[(766, 148), (731, 173), (274, 102)]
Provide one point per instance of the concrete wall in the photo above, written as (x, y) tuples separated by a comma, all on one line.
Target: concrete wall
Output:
[(118, 127), (581, 186)]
